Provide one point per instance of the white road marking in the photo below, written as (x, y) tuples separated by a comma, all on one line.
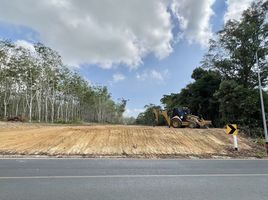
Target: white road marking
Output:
[(135, 159), (133, 176)]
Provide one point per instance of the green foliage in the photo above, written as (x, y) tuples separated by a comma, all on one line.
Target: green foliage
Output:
[(198, 96), (241, 105), (227, 91), (233, 53), (147, 117), (38, 85), (129, 120), (62, 121), (238, 104), (171, 101)]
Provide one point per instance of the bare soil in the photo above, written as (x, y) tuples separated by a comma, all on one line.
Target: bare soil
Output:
[(121, 141)]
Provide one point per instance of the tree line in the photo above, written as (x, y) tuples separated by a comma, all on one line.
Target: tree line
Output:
[(225, 86), (37, 85)]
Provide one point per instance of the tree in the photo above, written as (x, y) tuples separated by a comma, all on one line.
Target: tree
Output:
[(233, 53), (129, 120), (198, 96), (36, 84), (171, 101), (147, 117), (225, 88), (239, 105)]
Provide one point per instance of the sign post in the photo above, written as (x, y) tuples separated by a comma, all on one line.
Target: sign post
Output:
[(262, 104), (235, 142), (231, 129)]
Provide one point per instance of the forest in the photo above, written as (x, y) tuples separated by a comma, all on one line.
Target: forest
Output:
[(36, 85), (225, 85)]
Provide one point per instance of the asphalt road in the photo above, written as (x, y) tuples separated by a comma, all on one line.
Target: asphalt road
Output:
[(82, 179)]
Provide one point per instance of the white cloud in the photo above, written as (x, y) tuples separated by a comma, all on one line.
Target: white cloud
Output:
[(235, 9), (153, 75), (194, 19), (26, 45), (157, 75), (118, 77), (110, 32), (142, 76), (133, 112), (96, 32)]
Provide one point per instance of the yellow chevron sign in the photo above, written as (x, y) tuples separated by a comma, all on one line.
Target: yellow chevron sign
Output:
[(232, 129)]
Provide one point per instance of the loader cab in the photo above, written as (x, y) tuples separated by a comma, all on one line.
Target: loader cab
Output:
[(181, 113)]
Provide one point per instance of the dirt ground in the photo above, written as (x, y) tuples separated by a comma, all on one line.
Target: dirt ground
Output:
[(120, 141)]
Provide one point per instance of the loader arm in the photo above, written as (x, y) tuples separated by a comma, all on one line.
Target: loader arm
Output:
[(156, 115), (158, 112)]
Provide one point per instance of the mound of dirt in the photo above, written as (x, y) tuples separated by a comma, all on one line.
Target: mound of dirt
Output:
[(121, 141)]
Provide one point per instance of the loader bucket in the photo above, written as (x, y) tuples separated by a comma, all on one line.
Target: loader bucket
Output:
[(205, 123)]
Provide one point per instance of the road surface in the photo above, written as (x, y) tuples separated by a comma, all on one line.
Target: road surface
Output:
[(118, 179)]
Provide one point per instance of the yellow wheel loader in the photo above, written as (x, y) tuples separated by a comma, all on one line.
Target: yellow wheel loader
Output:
[(181, 118)]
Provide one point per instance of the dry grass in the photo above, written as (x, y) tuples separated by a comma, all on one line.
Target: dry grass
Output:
[(108, 140)]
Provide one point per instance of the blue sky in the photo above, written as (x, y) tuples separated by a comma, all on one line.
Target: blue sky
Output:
[(137, 63)]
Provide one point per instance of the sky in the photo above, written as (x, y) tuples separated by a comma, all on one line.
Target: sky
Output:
[(139, 49)]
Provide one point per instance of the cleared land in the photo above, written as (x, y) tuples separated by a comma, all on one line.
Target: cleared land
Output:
[(116, 140)]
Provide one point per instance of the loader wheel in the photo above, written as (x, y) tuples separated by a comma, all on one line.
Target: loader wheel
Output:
[(207, 126), (176, 123), (192, 125)]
